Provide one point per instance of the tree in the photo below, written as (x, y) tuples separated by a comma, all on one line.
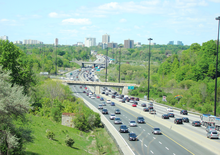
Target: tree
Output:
[(69, 141), (13, 107)]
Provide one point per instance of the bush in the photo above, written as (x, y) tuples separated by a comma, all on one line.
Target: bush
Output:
[(69, 141), (50, 135)]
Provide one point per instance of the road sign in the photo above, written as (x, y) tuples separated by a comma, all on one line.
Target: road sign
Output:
[(145, 98), (130, 87), (97, 69)]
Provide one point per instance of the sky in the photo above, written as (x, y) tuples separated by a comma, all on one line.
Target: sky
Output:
[(71, 21)]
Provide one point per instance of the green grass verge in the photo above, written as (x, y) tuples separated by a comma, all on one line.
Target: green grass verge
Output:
[(94, 142)]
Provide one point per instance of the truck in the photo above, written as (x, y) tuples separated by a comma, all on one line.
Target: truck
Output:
[(207, 120)]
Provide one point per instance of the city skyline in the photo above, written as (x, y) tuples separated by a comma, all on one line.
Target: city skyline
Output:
[(188, 21)]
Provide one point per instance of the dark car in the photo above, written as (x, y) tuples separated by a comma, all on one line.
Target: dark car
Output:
[(101, 99), (117, 111), (106, 94), (123, 128), (135, 102), (196, 123), (113, 96), (146, 109), (165, 116), (171, 114), (104, 111), (150, 107), (184, 112), (185, 119), (137, 99), (123, 101), (113, 104), (140, 120), (132, 136), (178, 121), (87, 94), (103, 92), (128, 100), (84, 91), (143, 105)]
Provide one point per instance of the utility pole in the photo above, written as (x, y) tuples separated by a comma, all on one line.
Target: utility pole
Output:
[(106, 64), (149, 70)]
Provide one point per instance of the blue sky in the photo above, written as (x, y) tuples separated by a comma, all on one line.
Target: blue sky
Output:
[(189, 21)]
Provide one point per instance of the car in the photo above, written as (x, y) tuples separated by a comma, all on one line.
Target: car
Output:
[(169, 109), (128, 100), (103, 92), (210, 128), (132, 123), (104, 111), (119, 100), (100, 106), (112, 116), (85, 87), (113, 104), (178, 121), (117, 120), (143, 105), (135, 102), (184, 112), (117, 111), (93, 97), (101, 99), (156, 131), (103, 104), (106, 94), (132, 136), (123, 128), (150, 104), (171, 114), (87, 94), (113, 96), (185, 119), (108, 101), (132, 98), (152, 111), (196, 123), (134, 105), (140, 120), (123, 101), (80, 87), (131, 101), (165, 116), (137, 99), (146, 109), (212, 134), (84, 91), (98, 96), (150, 107)]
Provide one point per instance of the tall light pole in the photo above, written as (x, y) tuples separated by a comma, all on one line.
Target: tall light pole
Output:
[(106, 64), (216, 70), (56, 59), (119, 63), (149, 69)]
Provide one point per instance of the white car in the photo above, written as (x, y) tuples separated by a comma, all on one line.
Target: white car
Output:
[(92, 97), (100, 106), (112, 116), (108, 101), (170, 109), (120, 100), (133, 123)]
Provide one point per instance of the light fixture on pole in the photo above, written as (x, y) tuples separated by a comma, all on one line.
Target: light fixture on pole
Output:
[(149, 70), (216, 70)]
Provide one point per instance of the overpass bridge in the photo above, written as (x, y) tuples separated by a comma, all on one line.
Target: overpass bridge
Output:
[(82, 63), (97, 85)]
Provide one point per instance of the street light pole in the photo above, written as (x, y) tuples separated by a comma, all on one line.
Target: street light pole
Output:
[(106, 64), (119, 64), (216, 70), (56, 59), (149, 69)]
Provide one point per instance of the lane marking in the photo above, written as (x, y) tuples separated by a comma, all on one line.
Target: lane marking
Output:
[(152, 152), (148, 133), (145, 145), (167, 148), (141, 140), (154, 137), (143, 129), (139, 127), (160, 142)]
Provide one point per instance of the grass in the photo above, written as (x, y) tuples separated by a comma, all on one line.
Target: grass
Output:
[(94, 142)]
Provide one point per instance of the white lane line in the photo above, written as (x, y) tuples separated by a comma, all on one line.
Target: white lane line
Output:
[(167, 148), (145, 145), (160, 142), (141, 140), (154, 137), (148, 133), (174, 154), (152, 152), (139, 127)]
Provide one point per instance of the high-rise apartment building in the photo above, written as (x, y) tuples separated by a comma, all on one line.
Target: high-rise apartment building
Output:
[(179, 43), (105, 38), (170, 43), (90, 42), (4, 37), (18, 42), (113, 45), (128, 43), (29, 41), (56, 42)]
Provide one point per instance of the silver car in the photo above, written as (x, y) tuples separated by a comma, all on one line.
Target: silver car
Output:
[(112, 116), (210, 128), (133, 123), (117, 120), (212, 134), (156, 131)]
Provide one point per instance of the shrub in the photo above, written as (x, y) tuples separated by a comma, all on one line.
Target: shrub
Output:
[(50, 135), (69, 141)]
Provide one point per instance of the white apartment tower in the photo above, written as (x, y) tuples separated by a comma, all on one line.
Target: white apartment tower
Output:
[(55, 41), (90, 42), (105, 38), (4, 37)]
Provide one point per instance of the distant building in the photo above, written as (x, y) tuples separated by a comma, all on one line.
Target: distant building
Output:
[(4, 37), (137, 44), (93, 52), (113, 45), (104, 45), (179, 43), (170, 43), (67, 119), (18, 42), (29, 41), (56, 42), (105, 38), (79, 43), (90, 42), (128, 43)]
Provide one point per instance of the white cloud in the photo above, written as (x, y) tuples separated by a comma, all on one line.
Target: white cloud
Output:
[(9, 22), (136, 27), (73, 21), (216, 1), (58, 15), (122, 20)]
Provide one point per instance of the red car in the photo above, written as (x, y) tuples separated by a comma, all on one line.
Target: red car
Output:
[(134, 105), (80, 86), (85, 87), (97, 96)]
